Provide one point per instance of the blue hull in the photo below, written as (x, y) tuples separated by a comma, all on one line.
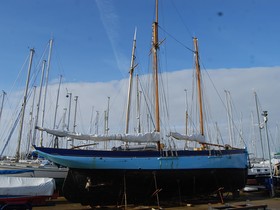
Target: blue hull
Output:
[(103, 177), (146, 160)]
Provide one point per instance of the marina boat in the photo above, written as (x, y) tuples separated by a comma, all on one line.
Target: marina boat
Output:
[(19, 172), (24, 191), (105, 176), (36, 169), (258, 173), (147, 174), (261, 170), (258, 168)]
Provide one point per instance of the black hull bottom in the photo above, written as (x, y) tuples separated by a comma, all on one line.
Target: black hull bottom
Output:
[(108, 187), (58, 185)]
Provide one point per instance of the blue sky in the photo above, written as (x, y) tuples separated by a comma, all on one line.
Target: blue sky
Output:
[(238, 42), (93, 39)]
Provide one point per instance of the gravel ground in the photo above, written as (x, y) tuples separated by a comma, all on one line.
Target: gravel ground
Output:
[(248, 199)]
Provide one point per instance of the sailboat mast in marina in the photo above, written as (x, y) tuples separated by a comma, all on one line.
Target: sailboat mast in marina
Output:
[(2, 103), (39, 101), (132, 67), (17, 156), (155, 68), (46, 89), (198, 77)]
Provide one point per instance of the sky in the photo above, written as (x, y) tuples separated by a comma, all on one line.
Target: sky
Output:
[(91, 36), (238, 44)]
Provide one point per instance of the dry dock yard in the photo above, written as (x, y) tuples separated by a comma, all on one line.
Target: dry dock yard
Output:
[(246, 200)]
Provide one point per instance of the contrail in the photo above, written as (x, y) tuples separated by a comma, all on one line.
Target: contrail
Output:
[(110, 21)]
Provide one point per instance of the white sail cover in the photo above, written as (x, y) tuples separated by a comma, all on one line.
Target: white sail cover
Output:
[(144, 138), (197, 138), (27, 186)]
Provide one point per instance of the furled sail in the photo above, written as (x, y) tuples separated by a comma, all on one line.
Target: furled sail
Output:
[(197, 138), (144, 138)]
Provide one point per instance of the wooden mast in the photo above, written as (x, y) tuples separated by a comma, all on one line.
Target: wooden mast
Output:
[(130, 82), (198, 76), (155, 68)]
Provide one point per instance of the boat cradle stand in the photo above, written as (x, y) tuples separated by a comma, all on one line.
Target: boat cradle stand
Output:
[(156, 192)]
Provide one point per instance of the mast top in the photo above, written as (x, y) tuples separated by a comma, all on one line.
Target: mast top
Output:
[(156, 19)]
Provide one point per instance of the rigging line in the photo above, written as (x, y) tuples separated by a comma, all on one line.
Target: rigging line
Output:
[(239, 134), (214, 85), (145, 98), (14, 126), (219, 134), (191, 50), (18, 76), (234, 107), (180, 16), (57, 59), (20, 72), (272, 140), (37, 70), (21, 69), (34, 76), (194, 109), (259, 104), (18, 103), (40, 61), (164, 98), (231, 117), (80, 115), (10, 134), (6, 126), (206, 111), (194, 105), (165, 95)]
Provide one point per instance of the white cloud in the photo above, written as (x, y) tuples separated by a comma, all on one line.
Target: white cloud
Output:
[(240, 82)]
